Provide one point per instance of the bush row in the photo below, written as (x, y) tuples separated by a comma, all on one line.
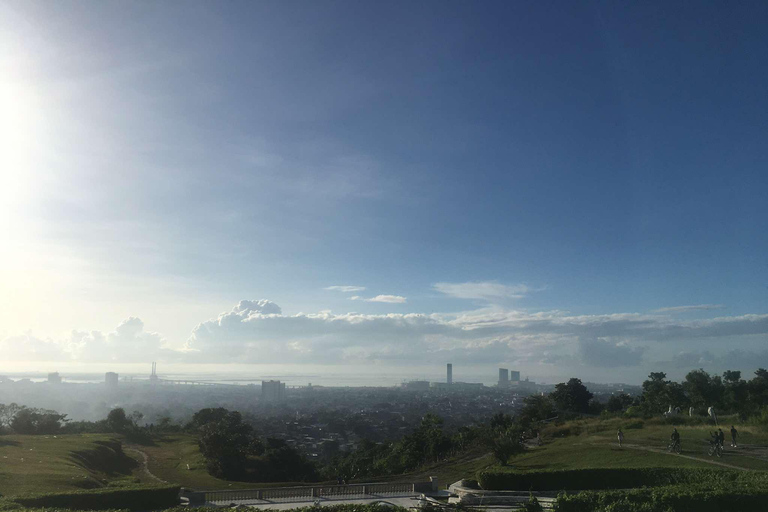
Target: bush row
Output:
[(132, 498), (613, 478), (665, 499)]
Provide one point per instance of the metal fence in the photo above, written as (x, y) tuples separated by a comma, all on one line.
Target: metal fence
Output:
[(307, 493)]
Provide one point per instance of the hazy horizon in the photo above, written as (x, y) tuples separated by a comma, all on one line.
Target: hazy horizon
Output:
[(569, 190)]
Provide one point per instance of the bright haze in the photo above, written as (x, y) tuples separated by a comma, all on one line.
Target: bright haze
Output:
[(564, 188)]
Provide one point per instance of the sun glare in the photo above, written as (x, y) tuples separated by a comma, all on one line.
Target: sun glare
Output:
[(19, 119)]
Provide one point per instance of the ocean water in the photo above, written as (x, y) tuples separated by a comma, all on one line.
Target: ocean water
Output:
[(292, 375)]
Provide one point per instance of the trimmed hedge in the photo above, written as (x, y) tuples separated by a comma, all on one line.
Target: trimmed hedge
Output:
[(665, 499), (132, 498), (612, 478)]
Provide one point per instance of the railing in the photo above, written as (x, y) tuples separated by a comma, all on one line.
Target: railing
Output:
[(306, 493)]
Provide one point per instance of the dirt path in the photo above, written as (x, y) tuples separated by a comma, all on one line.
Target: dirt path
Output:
[(144, 463), (665, 452)]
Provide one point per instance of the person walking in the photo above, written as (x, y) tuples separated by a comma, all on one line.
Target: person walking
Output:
[(620, 436), (734, 434)]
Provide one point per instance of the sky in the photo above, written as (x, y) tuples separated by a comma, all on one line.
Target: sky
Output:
[(567, 189)]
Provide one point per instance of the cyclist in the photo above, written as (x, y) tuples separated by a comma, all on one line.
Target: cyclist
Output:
[(734, 434), (721, 437), (675, 437)]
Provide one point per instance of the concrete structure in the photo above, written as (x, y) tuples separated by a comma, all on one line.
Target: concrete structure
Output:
[(416, 385), (110, 379), (153, 376), (514, 376), (272, 390), (54, 378), (450, 374), (503, 377)]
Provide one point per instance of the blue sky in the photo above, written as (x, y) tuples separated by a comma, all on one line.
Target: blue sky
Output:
[(580, 161)]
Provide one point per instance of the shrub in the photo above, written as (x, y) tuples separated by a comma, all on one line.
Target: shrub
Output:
[(132, 498), (665, 499), (613, 478)]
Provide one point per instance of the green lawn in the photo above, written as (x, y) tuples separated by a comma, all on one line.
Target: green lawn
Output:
[(169, 457), (596, 445), (67, 462), (582, 452)]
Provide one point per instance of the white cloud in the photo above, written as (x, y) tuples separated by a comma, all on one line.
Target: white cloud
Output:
[(256, 331), (345, 288), (686, 309), (128, 343), (390, 299), (603, 353), (486, 290)]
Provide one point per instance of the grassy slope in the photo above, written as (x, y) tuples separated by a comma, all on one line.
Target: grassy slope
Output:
[(596, 446), (69, 462), (169, 457)]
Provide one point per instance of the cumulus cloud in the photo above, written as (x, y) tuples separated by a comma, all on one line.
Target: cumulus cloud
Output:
[(485, 290), (686, 309), (345, 288), (257, 331), (391, 299), (128, 343), (483, 336), (29, 348), (730, 360), (608, 354)]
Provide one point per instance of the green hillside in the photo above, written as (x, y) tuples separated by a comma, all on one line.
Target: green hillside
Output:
[(61, 463)]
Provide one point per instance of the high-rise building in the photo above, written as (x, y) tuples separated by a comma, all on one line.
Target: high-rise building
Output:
[(54, 378), (503, 377), (153, 378), (449, 369), (514, 376), (272, 390), (110, 379)]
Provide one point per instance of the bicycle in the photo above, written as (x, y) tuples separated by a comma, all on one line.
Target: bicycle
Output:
[(674, 446), (715, 448)]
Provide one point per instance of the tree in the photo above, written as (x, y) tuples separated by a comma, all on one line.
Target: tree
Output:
[(702, 389), (506, 443), (536, 408), (618, 403), (501, 421), (572, 396), (659, 394), (24, 421), (7, 412), (117, 420), (37, 421), (758, 389), (226, 444), (736, 397)]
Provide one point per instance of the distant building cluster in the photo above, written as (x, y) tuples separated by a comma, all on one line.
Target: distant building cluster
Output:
[(507, 379), (54, 378), (110, 380), (272, 390)]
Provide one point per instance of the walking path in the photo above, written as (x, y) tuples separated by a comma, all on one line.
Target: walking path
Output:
[(662, 451), (144, 463)]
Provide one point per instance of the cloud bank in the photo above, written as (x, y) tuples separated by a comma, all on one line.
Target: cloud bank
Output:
[(390, 299), (484, 290), (686, 309), (345, 288), (257, 331)]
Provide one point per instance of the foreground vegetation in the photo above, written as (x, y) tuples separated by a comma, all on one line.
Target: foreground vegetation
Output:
[(63, 463)]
